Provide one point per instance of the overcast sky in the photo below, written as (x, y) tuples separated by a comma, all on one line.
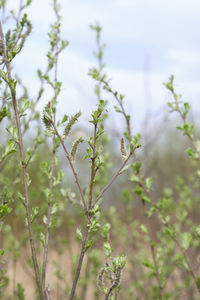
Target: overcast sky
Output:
[(159, 36)]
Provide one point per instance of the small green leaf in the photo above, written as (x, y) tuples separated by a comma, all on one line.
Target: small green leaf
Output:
[(134, 178), (10, 148), (186, 239), (19, 292), (143, 228), (107, 249), (25, 105), (148, 183), (88, 244), (42, 238), (125, 169), (198, 282), (79, 234), (3, 113)]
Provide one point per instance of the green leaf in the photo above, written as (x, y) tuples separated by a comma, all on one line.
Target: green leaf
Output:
[(3, 75), (12, 85), (25, 105), (12, 130), (57, 180), (192, 154), (148, 183), (64, 44), (170, 83), (94, 225), (79, 234), (10, 148), (88, 244), (35, 212), (47, 117), (146, 262), (134, 178), (3, 113), (186, 239), (45, 219), (197, 231), (143, 228), (107, 249), (42, 238), (136, 167), (105, 230), (138, 190), (197, 145), (117, 109), (4, 210), (198, 282), (145, 198), (65, 118), (125, 169), (19, 292), (186, 109), (54, 208), (119, 261)]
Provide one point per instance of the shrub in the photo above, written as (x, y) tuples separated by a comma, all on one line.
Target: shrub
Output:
[(41, 213)]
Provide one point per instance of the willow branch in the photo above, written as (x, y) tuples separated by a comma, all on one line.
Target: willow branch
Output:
[(71, 165), (24, 173), (92, 167), (80, 262)]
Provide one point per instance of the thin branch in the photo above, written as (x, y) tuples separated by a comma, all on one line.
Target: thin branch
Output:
[(112, 179), (19, 11), (47, 233), (71, 165), (84, 289), (80, 262), (26, 125), (92, 168), (127, 119), (24, 173)]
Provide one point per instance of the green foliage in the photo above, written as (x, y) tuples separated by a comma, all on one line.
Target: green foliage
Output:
[(19, 292)]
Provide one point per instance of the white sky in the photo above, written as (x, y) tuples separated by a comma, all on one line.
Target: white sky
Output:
[(166, 33)]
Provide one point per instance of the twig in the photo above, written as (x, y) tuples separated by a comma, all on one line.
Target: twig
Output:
[(26, 125), (78, 269), (92, 167), (71, 165), (84, 289), (112, 179), (127, 119), (47, 233)]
